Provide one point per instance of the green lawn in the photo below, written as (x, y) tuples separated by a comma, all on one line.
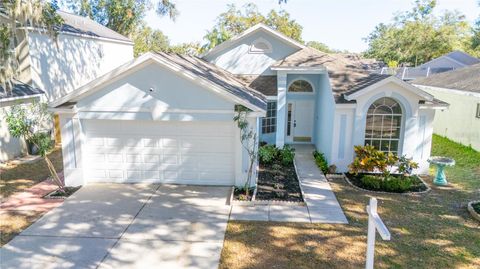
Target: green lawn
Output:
[(433, 230)]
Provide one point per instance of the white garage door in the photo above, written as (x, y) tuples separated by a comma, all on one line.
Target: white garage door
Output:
[(170, 152)]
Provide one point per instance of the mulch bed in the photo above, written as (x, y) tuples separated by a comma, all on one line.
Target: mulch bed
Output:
[(278, 182), (61, 195), (355, 180)]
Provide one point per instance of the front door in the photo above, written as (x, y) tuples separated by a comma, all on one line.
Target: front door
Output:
[(299, 121)]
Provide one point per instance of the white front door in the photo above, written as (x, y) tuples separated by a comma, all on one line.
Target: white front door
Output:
[(299, 121)]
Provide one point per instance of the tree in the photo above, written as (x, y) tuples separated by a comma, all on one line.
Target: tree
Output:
[(476, 36), (417, 36), (320, 46), (249, 140), (146, 39), (122, 16), (36, 13), (26, 122), (234, 21)]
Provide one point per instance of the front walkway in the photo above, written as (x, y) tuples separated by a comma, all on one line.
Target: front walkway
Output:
[(322, 205), (126, 226)]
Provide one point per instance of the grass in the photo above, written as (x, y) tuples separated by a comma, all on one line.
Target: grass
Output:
[(19, 177), (16, 178), (433, 230)]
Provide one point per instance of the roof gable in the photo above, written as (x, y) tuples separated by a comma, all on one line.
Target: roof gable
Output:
[(257, 28), (367, 87), (190, 68)]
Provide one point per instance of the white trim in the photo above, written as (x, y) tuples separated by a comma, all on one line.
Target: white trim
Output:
[(346, 106), (272, 98), (447, 90), (20, 97), (138, 63), (164, 109), (391, 79), (301, 93), (249, 31), (252, 49), (300, 70)]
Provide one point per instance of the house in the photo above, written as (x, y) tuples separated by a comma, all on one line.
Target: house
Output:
[(448, 62), (21, 93), (82, 51), (461, 89), (169, 118)]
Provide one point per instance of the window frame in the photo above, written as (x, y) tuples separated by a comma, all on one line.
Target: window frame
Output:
[(269, 122), (372, 137), (253, 50), (298, 80)]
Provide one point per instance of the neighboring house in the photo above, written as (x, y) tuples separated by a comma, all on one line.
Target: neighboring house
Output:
[(448, 62), (83, 51), (169, 118), (461, 89), (21, 93)]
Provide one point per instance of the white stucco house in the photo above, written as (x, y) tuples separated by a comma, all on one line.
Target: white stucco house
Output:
[(169, 118), (461, 89), (83, 51)]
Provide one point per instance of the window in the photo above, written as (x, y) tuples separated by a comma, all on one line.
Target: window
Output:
[(269, 123), (260, 46), (384, 122), (300, 86)]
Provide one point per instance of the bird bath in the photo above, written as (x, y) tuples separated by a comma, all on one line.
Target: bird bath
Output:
[(440, 163)]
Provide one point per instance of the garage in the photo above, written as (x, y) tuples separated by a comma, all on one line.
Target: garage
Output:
[(161, 118), (165, 152)]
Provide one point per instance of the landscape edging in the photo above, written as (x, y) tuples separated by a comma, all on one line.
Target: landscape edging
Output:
[(384, 192)]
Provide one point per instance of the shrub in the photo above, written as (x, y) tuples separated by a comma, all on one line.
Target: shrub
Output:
[(267, 154), (406, 165), (287, 154), (389, 184), (321, 161), (369, 159)]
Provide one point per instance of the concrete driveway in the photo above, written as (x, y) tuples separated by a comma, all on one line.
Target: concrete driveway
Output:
[(126, 226)]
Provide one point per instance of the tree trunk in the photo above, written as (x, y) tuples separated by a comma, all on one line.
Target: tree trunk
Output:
[(56, 179)]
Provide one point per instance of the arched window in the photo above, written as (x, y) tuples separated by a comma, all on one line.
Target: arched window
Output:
[(300, 86), (384, 123), (260, 46)]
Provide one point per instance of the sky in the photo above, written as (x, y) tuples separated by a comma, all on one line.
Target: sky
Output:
[(341, 24)]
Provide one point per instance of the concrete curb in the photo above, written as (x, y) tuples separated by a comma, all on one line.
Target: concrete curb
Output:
[(472, 211)]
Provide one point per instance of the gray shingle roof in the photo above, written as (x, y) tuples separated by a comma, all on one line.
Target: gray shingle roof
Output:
[(463, 57), (218, 76), (464, 79), (85, 26), (267, 85), (19, 90), (347, 73)]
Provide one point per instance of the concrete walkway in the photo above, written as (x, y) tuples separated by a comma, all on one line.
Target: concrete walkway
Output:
[(126, 226), (322, 205)]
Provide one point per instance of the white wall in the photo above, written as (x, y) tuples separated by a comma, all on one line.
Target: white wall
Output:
[(416, 126), (238, 60), (173, 99), (75, 61)]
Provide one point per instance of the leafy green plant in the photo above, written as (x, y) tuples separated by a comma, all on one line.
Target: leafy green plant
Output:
[(405, 165), (268, 154), (26, 121), (369, 159), (321, 161), (389, 184), (287, 154)]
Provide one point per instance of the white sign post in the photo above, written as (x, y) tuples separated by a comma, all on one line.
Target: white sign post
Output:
[(375, 223)]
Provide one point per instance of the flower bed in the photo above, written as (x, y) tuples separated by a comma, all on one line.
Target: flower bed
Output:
[(395, 183), (57, 194), (277, 179)]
